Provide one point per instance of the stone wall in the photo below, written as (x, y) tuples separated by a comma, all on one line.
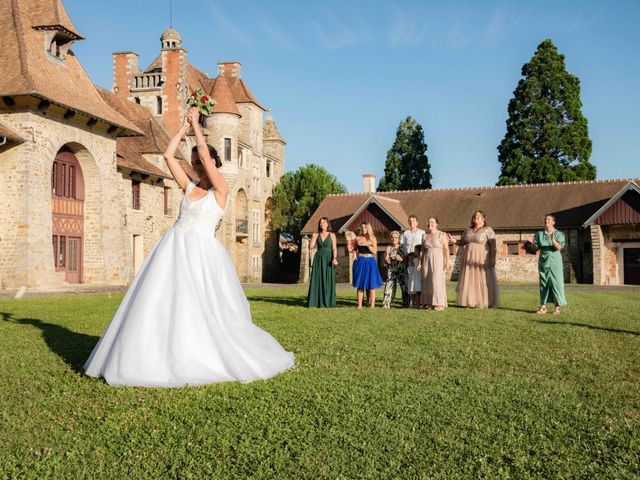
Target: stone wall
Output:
[(150, 221), (26, 257), (598, 254), (522, 267)]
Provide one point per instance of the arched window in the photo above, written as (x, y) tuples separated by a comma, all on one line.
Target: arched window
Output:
[(158, 105)]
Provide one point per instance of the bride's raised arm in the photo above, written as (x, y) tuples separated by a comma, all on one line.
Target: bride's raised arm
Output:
[(169, 156), (220, 187)]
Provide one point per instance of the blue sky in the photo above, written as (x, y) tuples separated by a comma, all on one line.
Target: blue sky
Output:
[(340, 75)]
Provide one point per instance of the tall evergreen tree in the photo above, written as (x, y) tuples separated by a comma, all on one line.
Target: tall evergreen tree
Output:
[(407, 166), (547, 137), (298, 194)]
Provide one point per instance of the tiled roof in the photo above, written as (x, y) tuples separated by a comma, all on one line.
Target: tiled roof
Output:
[(155, 65), (395, 208), (9, 133), (241, 92), (155, 138), (195, 76), (49, 13), (130, 158), (223, 95), (270, 130), (508, 207), (130, 149), (27, 69)]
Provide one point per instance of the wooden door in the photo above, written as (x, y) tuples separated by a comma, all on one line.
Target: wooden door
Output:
[(74, 259), (631, 266), (67, 205)]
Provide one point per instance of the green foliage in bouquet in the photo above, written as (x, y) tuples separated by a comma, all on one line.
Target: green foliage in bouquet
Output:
[(203, 102)]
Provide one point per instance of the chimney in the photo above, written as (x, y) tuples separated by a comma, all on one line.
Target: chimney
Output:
[(174, 89), (229, 69), (369, 180), (125, 65)]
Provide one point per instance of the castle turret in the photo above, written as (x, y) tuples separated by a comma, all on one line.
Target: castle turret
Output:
[(171, 39), (273, 148), (223, 124), (174, 82)]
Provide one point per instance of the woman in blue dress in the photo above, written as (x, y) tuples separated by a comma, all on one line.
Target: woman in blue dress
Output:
[(366, 275)]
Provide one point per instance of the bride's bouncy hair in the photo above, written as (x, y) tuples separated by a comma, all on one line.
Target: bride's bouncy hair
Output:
[(212, 151)]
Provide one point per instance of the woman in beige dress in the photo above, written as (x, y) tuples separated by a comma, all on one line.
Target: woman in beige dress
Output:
[(477, 283), (434, 261)]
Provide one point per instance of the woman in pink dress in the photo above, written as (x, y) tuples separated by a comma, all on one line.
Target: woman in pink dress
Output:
[(434, 261), (477, 283)]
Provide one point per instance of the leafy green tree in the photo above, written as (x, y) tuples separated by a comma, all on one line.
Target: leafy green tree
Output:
[(547, 137), (297, 196), (407, 166)]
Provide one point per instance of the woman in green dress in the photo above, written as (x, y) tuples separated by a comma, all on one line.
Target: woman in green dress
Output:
[(322, 285), (550, 242)]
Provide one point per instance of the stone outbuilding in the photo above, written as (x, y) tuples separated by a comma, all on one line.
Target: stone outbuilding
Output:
[(600, 219)]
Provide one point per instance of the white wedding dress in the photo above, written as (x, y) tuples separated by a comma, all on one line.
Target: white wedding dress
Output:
[(185, 319)]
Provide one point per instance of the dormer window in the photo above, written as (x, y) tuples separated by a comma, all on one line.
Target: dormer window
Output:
[(58, 45), (57, 40)]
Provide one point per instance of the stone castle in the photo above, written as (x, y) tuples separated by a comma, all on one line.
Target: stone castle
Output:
[(86, 193)]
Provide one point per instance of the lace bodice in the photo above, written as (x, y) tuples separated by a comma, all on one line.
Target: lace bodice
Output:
[(199, 215)]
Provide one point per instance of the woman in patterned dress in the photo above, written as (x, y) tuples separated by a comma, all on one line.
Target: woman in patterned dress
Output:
[(478, 283), (394, 258), (434, 261)]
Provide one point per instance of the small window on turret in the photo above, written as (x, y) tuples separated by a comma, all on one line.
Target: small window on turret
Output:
[(158, 105), (268, 168), (227, 149)]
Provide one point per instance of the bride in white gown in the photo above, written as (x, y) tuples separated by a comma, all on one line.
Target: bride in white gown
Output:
[(185, 319)]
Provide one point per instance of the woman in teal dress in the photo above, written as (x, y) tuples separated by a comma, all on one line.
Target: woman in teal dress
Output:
[(322, 285), (550, 242)]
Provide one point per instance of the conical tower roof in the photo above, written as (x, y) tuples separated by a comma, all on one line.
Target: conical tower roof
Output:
[(270, 130), (223, 96)]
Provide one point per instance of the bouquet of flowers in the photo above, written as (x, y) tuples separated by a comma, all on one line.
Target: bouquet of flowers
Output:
[(202, 102)]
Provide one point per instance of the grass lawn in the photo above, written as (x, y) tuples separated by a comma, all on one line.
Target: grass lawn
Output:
[(376, 394)]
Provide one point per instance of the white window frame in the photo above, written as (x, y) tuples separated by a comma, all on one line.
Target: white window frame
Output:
[(255, 227)]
